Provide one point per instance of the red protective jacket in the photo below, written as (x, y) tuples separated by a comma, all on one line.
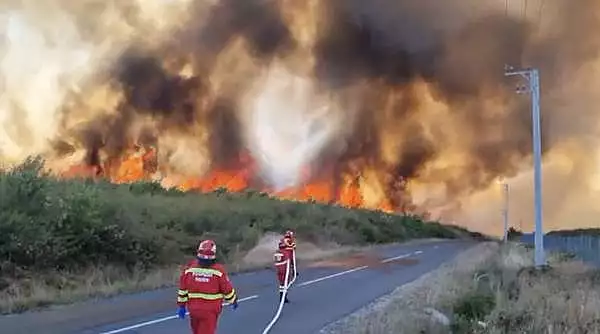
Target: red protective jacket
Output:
[(281, 258), (290, 247), (204, 289)]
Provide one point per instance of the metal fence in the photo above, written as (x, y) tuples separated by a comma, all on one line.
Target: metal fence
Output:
[(584, 247)]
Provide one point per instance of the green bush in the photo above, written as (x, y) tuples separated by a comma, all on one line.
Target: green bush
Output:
[(514, 234), (474, 306), (51, 224)]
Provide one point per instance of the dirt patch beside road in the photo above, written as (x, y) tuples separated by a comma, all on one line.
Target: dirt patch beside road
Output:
[(262, 254)]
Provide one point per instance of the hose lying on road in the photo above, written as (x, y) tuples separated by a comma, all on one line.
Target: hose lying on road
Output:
[(285, 290)]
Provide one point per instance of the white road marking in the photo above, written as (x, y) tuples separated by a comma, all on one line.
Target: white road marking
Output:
[(356, 269), (332, 276), (156, 321), (395, 258), (142, 324)]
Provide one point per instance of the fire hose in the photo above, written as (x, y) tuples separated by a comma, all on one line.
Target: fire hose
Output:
[(295, 267), (287, 285)]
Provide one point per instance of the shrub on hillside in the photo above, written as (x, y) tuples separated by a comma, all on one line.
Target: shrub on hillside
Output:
[(69, 225), (514, 234), (49, 224)]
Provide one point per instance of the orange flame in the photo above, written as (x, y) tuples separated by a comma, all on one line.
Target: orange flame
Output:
[(138, 165)]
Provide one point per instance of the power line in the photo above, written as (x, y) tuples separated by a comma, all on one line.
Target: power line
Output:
[(524, 10), (540, 13)]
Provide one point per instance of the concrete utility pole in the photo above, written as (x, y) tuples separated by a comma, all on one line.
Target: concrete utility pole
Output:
[(505, 211), (532, 76)]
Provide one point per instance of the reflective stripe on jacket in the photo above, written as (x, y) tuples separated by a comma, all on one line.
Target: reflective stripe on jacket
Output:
[(280, 262)]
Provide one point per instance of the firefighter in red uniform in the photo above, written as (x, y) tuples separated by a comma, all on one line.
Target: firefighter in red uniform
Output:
[(281, 265), (203, 286), (289, 240)]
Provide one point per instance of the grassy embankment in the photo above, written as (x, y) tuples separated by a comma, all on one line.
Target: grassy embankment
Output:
[(62, 240), (497, 290)]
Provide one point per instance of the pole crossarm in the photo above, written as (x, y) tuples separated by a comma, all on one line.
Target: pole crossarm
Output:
[(524, 74), (511, 71)]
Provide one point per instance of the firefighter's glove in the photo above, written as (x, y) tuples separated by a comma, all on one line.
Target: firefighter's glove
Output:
[(234, 305), (181, 312)]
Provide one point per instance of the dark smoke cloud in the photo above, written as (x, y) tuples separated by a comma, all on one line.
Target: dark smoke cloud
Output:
[(463, 66), (259, 22), (572, 43), (399, 41), (455, 46), (350, 48), (225, 140), (150, 89)]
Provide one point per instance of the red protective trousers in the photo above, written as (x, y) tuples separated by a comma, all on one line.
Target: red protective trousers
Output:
[(281, 266), (281, 279), (204, 322)]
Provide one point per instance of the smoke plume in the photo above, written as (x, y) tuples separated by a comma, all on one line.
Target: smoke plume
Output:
[(405, 100)]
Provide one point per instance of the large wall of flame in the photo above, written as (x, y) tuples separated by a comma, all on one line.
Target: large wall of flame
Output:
[(411, 97)]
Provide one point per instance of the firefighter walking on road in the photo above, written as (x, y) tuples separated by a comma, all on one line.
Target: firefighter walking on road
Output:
[(289, 241), (281, 266), (203, 285)]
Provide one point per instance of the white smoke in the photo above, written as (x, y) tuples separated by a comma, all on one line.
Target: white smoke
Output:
[(288, 125), (49, 48), (37, 63)]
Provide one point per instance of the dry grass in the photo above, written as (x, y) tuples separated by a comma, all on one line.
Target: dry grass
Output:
[(109, 281), (96, 282), (563, 299)]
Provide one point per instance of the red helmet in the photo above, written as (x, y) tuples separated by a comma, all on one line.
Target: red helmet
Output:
[(207, 250), (289, 234)]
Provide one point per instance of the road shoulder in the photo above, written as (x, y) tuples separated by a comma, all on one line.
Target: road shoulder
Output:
[(407, 303)]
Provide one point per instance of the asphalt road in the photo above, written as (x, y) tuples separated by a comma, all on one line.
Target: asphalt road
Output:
[(320, 296)]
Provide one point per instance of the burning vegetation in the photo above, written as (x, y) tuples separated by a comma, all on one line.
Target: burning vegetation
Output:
[(388, 105)]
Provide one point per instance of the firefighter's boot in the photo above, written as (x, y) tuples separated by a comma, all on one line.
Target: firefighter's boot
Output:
[(286, 298)]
